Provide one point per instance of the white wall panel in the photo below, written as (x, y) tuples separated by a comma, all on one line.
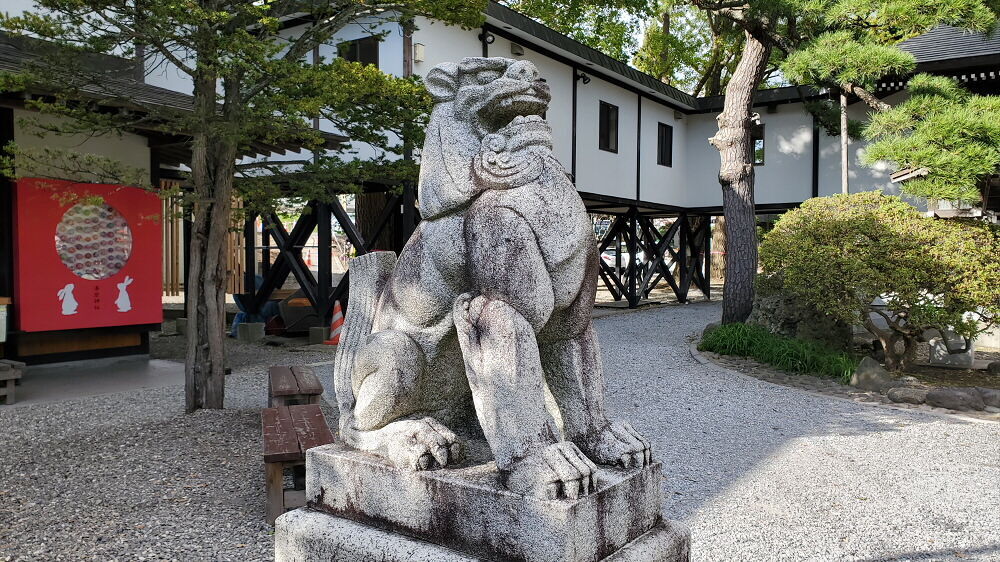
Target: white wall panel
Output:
[(129, 149), (599, 171), (444, 43), (786, 175), (861, 177), (662, 184), (702, 184)]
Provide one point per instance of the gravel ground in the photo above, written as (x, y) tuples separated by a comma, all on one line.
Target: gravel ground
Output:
[(759, 471)]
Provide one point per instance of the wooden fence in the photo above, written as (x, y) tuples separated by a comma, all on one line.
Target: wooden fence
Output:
[(174, 250)]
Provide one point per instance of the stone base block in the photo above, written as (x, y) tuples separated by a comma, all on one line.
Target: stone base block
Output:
[(306, 535), (181, 326), (250, 332), (318, 334), (468, 510)]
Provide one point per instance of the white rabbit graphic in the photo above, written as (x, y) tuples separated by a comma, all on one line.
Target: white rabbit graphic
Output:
[(69, 304), (123, 302)]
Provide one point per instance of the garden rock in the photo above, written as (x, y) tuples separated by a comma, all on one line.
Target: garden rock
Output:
[(870, 375), (956, 399), (713, 325), (907, 395), (788, 316), (991, 396), (994, 368)]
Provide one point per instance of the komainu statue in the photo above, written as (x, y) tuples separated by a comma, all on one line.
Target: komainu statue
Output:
[(487, 310)]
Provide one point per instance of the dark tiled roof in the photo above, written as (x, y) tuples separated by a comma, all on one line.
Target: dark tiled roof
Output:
[(117, 85), (947, 43)]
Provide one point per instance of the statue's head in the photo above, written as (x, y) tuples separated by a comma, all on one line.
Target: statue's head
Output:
[(489, 91)]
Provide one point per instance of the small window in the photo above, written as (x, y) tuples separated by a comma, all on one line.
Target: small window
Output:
[(608, 124), (364, 50), (757, 134), (665, 145)]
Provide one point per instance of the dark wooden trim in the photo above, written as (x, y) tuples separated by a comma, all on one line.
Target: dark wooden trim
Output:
[(250, 254), (761, 208), (638, 147), (324, 275), (644, 207), (575, 107), (483, 36)]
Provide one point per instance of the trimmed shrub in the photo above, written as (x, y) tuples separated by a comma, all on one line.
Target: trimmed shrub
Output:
[(787, 354), (840, 254)]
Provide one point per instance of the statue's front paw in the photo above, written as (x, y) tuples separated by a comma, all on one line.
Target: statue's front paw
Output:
[(558, 471), (618, 443), (422, 445)]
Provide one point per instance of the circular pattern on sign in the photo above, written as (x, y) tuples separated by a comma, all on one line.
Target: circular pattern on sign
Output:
[(93, 241)]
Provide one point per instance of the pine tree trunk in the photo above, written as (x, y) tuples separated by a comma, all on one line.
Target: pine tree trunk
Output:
[(213, 166), (736, 176)]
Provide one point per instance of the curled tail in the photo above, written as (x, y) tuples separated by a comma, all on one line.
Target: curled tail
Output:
[(369, 275)]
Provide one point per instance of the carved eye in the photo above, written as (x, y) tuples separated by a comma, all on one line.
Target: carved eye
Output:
[(487, 76)]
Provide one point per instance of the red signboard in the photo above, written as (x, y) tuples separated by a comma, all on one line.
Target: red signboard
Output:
[(87, 255)]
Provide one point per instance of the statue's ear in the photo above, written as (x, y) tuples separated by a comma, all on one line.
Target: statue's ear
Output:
[(442, 82)]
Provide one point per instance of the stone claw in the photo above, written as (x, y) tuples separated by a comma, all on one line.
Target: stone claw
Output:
[(559, 471), (422, 444), (619, 444)]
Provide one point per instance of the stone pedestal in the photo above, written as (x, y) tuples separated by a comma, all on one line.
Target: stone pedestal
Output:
[(364, 509), (250, 332), (318, 334)]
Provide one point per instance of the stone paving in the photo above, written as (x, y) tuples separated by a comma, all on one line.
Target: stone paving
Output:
[(759, 471)]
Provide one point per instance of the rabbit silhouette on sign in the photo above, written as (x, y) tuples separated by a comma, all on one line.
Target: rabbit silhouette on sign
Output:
[(123, 302), (69, 304)]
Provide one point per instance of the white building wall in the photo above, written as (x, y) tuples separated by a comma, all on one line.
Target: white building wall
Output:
[(599, 171), (861, 177), (443, 43), (129, 149), (662, 184), (786, 175), (702, 179)]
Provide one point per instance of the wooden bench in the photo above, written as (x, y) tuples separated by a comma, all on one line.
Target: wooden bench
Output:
[(289, 431), (287, 386), (10, 373)]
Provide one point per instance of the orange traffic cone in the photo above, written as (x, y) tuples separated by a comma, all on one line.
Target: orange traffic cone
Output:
[(336, 325)]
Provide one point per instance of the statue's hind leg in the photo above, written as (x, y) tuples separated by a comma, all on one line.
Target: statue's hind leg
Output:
[(386, 381)]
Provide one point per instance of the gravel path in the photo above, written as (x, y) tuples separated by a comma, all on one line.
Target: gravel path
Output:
[(759, 471)]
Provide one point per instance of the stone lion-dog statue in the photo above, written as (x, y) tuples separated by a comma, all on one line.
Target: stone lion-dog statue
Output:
[(487, 310)]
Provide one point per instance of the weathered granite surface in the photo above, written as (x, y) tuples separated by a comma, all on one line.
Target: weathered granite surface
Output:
[(488, 305), (305, 535), (469, 509)]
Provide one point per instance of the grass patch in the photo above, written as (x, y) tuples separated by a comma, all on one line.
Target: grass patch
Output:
[(787, 354)]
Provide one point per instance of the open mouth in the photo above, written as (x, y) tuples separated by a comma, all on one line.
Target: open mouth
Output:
[(532, 101)]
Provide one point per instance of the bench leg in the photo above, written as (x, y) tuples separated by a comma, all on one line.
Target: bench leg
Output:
[(274, 474), (7, 391)]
